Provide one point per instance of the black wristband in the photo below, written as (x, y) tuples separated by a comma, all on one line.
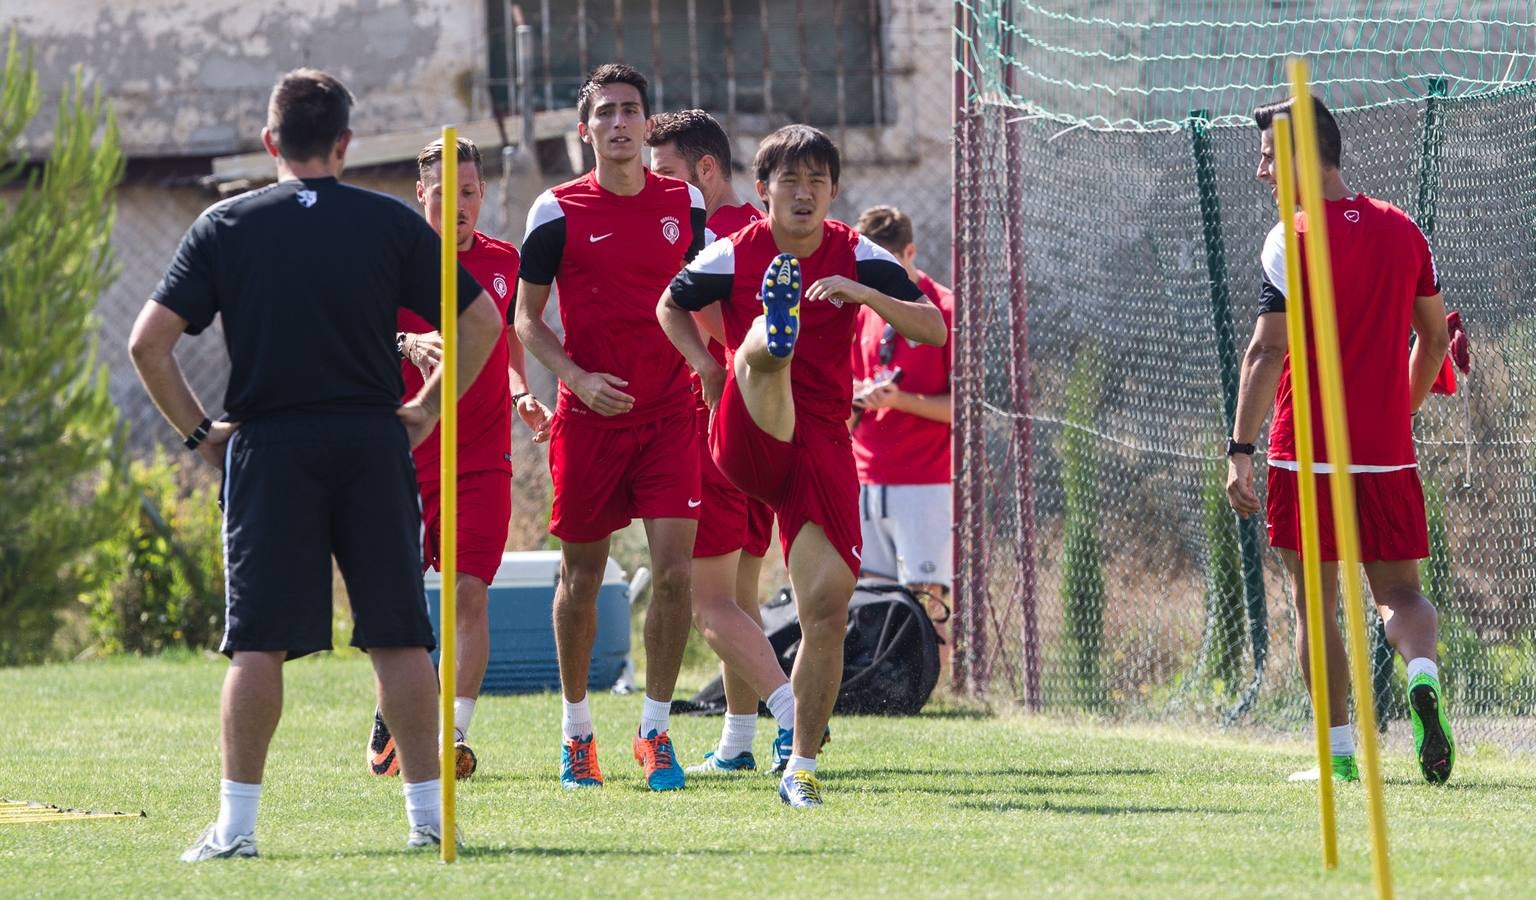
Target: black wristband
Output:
[(400, 344), (519, 395), (1233, 448), (198, 435)]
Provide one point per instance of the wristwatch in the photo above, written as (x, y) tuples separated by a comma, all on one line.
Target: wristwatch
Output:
[(1233, 447), (400, 344)]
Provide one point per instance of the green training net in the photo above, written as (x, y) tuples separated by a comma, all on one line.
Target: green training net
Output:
[(1146, 65), (1107, 282)]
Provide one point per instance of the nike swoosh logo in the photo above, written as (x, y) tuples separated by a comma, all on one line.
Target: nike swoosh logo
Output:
[(594, 238), (695, 504)]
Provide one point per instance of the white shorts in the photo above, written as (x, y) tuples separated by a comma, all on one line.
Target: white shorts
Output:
[(907, 532)]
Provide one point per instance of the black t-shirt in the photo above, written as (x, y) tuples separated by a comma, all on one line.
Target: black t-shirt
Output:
[(308, 276)]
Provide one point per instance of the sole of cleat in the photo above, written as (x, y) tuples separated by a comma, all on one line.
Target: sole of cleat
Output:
[(1435, 754), (781, 303), (464, 761)]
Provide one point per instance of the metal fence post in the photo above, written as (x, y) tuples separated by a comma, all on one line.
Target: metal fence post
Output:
[(1018, 364), (1226, 353), (1388, 704)]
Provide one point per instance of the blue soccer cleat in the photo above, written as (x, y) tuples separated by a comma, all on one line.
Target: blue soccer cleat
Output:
[(655, 754), (578, 764), (781, 304), (714, 764), (784, 748)]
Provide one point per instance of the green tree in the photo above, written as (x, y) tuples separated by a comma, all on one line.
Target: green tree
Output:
[(1222, 651), (1082, 567), (58, 426)]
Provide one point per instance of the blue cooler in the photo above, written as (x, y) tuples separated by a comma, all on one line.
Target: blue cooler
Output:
[(522, 630)]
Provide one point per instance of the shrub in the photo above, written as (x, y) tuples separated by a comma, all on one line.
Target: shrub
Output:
[(170, 588)]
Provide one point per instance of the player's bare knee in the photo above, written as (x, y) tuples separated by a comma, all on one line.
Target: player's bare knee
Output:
[(581, 584), (670, 582)]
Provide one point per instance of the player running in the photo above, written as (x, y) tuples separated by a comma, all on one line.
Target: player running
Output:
[(1384, 284), (782, 404), (622, 442), (485, 443), (734, 529)]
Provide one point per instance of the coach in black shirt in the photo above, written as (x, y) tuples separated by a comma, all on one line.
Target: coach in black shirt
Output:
[(308, 274)]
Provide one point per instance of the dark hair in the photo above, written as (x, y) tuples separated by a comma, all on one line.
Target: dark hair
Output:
[(309, 110), (1330, 145), (697, 134), (887, 226), (432, 154), (612, 73), (793, 145)]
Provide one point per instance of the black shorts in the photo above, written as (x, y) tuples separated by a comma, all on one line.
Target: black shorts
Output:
[(300, 488)]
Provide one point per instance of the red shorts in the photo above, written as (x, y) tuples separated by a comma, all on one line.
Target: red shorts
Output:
[(729, 520), (1389, 507), (605, 477), (809, 479), (485, 509)]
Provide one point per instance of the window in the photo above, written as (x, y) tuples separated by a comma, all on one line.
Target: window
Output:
[(818, 61)]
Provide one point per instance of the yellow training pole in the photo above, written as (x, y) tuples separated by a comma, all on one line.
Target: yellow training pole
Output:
[(1301, 407), (1336, 433), (449, 509)]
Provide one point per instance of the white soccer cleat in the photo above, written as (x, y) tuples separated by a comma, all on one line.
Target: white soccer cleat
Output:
[(208, 847), (430, 836)]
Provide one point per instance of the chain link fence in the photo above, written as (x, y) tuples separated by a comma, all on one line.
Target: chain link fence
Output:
[(1107, 283)]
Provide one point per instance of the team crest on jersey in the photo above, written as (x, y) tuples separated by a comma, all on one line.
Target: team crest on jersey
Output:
[(1352, 215), (499, 285), (670, 229), (307, 198)]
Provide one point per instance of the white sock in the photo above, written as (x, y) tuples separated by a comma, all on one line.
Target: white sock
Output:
[(799, 764), (463, 714), (1423, 665), (424, 803), (655, 716), (1341, 740), (237, 811), (736, 737), (782, 704), (575, 719)]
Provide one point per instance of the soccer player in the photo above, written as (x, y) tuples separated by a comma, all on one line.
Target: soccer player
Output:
[(485, 442), (734, 529), (901, 438), (622, 442), (782, 404), (307, 275), (1384, 284)]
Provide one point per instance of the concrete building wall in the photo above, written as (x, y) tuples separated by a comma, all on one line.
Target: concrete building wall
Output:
[(191, 77)]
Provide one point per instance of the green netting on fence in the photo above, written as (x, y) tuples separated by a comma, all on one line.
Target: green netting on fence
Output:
[(1107, 280), (1147, 65)]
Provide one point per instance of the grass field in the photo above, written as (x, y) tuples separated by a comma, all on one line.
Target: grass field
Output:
[(950, 803)]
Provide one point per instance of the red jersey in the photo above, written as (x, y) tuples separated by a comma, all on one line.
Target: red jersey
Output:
[(613, 256), (731, 271), (726, 221), (893, 447), (485, 410), (1381, 263)]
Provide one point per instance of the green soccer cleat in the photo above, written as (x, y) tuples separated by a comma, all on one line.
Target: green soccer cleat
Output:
[(1432, 739), (1344, 769)]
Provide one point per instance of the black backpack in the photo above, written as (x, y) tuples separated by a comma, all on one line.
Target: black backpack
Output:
[(890, 652)]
